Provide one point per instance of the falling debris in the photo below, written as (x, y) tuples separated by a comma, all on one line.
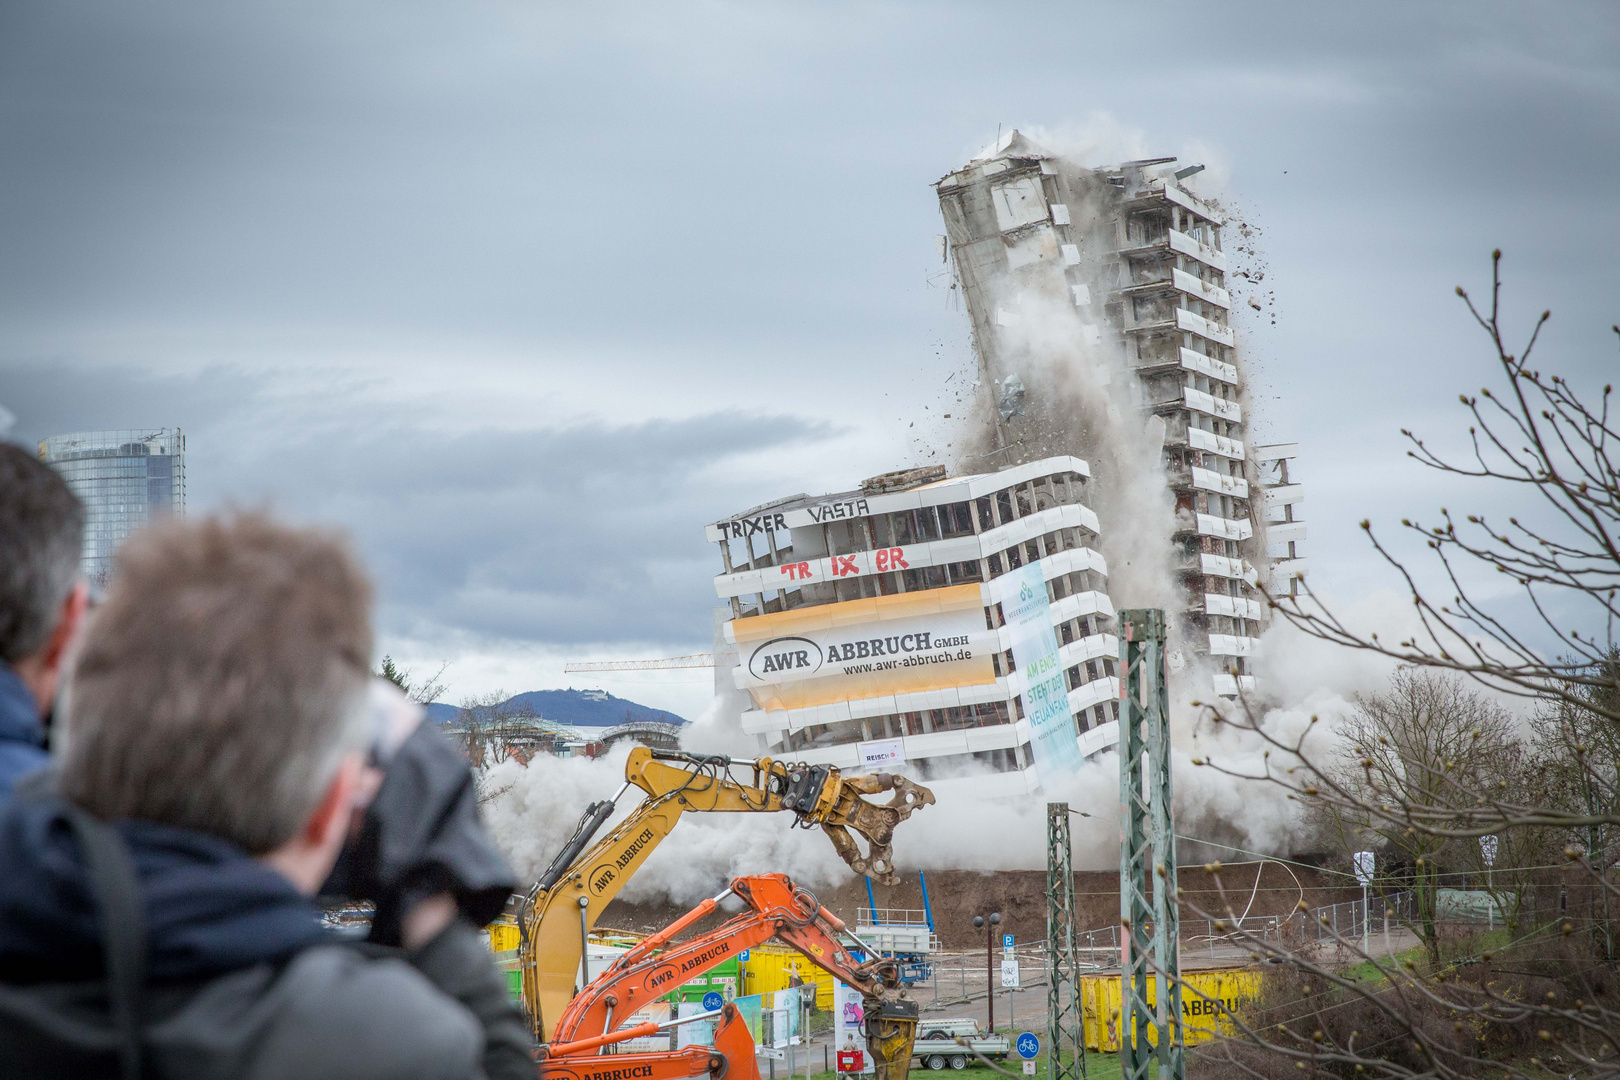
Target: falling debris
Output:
[(1011, 403)]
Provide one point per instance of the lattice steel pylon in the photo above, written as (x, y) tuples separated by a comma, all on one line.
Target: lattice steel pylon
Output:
[(1065, 1041), (1151, 926)]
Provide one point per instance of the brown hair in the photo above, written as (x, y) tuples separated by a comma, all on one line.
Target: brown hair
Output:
[(222, 681), (41, 532)]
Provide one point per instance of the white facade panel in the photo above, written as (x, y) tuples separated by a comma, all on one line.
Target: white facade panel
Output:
[(1215, 444), (1018, 203), (1191, 202), (1206, 480), (1228, 686), (1284, 532), (1208, 366), (1186, 245), (1276, 451), (1225, 528), (1233, 607), (1197, 324), (1192, 286), (1228, 645)]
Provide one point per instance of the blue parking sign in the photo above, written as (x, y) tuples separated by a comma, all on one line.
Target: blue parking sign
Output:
[(712, 1001), (1006, 941), (1028, 1046)]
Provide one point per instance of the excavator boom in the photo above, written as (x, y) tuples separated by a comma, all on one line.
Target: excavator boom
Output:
[(585, 876), (778, 909)]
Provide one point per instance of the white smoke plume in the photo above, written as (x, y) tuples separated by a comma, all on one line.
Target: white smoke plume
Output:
[(533, 809), (1081, 399)]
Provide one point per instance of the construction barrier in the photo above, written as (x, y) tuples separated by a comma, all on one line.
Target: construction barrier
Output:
[(503, 935), (771, 968), (1206, 997)]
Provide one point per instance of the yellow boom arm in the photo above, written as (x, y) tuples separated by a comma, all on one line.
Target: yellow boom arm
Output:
[(564, 904)]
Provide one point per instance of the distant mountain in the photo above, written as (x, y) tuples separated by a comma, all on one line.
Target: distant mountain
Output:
[(582, 708)]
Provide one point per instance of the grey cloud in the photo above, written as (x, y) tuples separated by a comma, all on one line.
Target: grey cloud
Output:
[(650, 179), (586, 533)]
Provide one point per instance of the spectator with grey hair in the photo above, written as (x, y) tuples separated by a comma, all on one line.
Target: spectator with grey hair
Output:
[(157, 897), (42, 603)]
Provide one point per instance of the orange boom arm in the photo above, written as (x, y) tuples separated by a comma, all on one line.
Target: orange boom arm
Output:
[(780, 910)]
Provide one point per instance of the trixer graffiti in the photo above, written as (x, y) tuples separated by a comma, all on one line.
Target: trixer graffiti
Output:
[(838, 566), (749, 526)]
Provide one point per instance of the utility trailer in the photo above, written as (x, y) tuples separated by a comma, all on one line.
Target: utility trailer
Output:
[(951, 1043)]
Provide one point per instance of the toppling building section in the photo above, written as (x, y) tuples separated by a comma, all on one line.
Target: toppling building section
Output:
[(1101, 321), (936, 626)]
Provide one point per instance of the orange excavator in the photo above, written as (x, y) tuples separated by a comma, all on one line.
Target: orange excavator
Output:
[(584, 877), (584, 1036)]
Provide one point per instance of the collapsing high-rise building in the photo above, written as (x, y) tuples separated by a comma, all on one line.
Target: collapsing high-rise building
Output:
[(1101, 321), (938, 626)]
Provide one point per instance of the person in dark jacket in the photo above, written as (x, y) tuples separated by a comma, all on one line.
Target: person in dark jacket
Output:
[(42, 602), (157, 889)]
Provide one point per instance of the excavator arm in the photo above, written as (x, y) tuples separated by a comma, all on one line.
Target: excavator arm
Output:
[(778, 909), (585, 876)]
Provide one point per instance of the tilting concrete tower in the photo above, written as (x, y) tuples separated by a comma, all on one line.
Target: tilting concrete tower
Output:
[(1118, 274)]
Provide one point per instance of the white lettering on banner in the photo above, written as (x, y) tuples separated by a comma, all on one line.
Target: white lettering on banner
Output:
[(1046, 700), (882, 753)]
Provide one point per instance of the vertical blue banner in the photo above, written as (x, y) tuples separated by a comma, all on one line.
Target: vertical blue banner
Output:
[(1028, 612)]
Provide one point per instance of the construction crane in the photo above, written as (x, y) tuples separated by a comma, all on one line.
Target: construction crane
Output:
[(780, 910), (670, 663), (564, 904)]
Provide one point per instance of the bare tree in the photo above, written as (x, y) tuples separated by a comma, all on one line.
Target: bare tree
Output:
[(423, 693), (1423, 741), (1539, 994), (1541, 438)]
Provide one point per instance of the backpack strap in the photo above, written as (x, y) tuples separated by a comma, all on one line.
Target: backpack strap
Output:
[(123, 929)]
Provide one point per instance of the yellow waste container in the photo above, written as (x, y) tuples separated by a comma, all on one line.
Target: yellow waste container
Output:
[(1206, 999)]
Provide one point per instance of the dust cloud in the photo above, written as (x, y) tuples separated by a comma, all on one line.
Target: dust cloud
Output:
[(1079, 398)]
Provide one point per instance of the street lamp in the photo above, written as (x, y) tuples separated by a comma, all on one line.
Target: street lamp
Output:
[(989, 961)]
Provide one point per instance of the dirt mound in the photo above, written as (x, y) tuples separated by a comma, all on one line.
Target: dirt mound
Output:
[(955, 896)]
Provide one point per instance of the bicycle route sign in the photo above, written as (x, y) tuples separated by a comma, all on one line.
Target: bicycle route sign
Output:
[(1029, 1045)]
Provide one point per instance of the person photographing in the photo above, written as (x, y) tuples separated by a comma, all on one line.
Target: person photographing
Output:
[(225, 760), (42, 604)]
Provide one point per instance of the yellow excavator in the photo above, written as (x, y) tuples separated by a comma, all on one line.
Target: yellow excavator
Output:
[(559, 911)]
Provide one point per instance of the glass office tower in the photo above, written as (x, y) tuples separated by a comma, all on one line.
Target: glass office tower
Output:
[(126, 478)]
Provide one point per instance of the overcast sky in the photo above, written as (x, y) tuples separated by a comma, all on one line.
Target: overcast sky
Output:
[(523, 294)]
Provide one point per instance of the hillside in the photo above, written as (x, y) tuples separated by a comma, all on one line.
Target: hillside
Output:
[(582, 708)]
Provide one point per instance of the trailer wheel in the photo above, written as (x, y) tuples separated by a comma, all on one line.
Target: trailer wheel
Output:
[(936, 1035), (935, 1062), (958, 1061)]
